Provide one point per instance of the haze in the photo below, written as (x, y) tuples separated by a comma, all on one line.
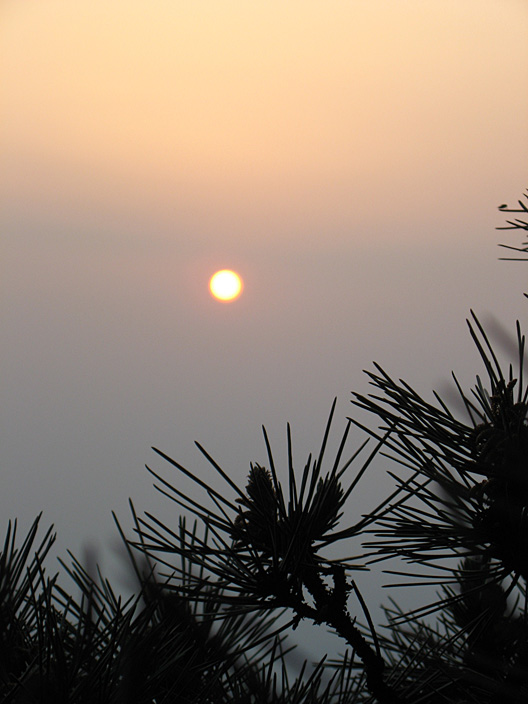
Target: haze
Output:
[(347, 158)]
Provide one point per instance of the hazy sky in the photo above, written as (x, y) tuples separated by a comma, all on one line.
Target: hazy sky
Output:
[(347, 158)]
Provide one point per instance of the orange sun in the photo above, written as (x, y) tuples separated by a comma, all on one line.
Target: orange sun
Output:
[(225, 285)]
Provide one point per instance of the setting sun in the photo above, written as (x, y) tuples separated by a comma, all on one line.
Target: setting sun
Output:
[(225, 285)]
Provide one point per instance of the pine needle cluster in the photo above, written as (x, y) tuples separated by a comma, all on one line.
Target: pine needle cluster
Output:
[(219, 591)]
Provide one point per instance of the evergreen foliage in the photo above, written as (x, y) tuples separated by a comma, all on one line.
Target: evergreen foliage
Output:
[(216, 597)]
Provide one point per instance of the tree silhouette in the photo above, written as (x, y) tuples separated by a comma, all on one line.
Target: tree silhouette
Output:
[(217, 596)]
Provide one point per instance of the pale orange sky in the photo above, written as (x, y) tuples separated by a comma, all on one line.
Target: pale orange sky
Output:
[(293, 111)]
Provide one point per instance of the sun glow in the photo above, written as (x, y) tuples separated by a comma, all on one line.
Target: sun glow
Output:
[(225, 285)]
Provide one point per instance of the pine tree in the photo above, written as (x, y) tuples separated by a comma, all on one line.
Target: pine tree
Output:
[(217, 597)]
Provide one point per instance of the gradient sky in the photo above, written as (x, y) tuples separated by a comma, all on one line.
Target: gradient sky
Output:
[(347, 158)]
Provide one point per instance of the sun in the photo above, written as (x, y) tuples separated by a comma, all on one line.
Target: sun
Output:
[(225, 285)]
